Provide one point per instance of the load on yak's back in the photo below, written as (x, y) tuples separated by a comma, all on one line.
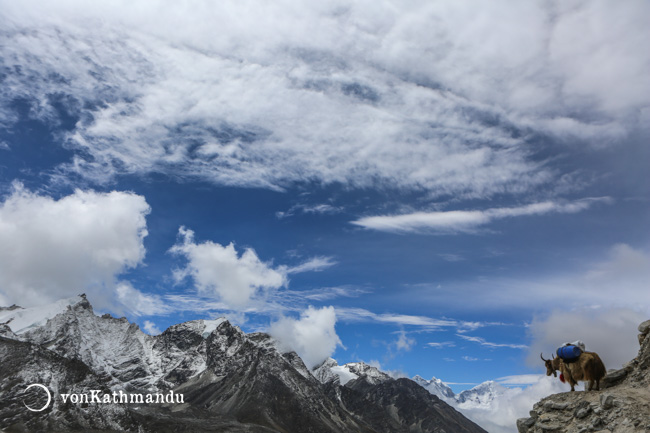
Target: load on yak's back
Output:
[(576, 364)]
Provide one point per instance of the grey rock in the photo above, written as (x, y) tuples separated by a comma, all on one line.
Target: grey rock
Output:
[(614, 377), (644, 327), (523, 424), (582, 412), (596, 422), (606, 401), (549, 426), (552, 405)]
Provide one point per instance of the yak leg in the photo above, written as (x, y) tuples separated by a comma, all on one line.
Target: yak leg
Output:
[(569, 377)]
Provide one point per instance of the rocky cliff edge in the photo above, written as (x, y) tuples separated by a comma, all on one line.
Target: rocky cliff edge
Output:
[(621, 406)]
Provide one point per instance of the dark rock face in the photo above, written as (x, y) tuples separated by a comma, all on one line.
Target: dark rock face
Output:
[(410, 408), (230, 381), (26, 363)]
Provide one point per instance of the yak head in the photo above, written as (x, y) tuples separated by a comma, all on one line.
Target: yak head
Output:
[(550, 366)]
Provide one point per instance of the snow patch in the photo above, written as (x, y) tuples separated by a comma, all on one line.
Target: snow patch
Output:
[(22, 320), (211, 325), (344, 374)]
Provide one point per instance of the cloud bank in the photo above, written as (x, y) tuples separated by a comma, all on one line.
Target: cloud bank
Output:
[(619, 280), (328, 92), (52, 249), (512, 403)]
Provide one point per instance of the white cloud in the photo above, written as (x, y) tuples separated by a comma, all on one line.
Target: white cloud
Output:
[(237, 280), (441, 344), (483, 342), (312, 337), (362, 315), (618, 280), (151, 328), (185, 302), (322, 209), (395, 374), (315, 264), (57, 248), (470, 358), (325, 92), (519, 379), (452, 257), (612, 333), (141, 304), (512, 403), (465, 221), (324, 293), (404, 342)]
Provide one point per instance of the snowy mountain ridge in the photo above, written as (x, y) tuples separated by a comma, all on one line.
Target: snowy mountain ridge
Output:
[(481, 395), (231, 381)]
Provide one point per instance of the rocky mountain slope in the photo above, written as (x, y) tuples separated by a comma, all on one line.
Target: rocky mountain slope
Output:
[(371, 394), (621, 406), (230, 381)]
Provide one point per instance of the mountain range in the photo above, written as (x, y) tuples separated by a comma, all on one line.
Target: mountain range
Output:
[(229, 381)]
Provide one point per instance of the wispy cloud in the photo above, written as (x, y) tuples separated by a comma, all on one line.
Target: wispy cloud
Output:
[(519, 379), (320, 209), (326, 293), (451, 257), (363, 315), (199, 103), (141, 304), (441, 344), (315, 264), (463, 221), (404, 342), (483, 342)]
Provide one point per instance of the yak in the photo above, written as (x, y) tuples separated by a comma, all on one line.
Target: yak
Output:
[(588, 367)]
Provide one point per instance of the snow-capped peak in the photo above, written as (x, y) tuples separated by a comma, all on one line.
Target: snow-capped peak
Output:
[(21, 320), (329, 370), (480, 395), (436, 387)]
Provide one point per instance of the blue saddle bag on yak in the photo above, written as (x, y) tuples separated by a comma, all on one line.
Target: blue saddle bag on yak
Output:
[(569, 354)]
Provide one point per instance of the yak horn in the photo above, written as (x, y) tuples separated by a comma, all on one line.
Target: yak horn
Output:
[(541, 356)]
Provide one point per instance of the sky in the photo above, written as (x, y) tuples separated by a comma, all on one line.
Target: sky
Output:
[(437, 188)]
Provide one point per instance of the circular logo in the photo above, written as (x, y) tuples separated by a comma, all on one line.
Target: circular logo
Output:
[(49, 397)]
